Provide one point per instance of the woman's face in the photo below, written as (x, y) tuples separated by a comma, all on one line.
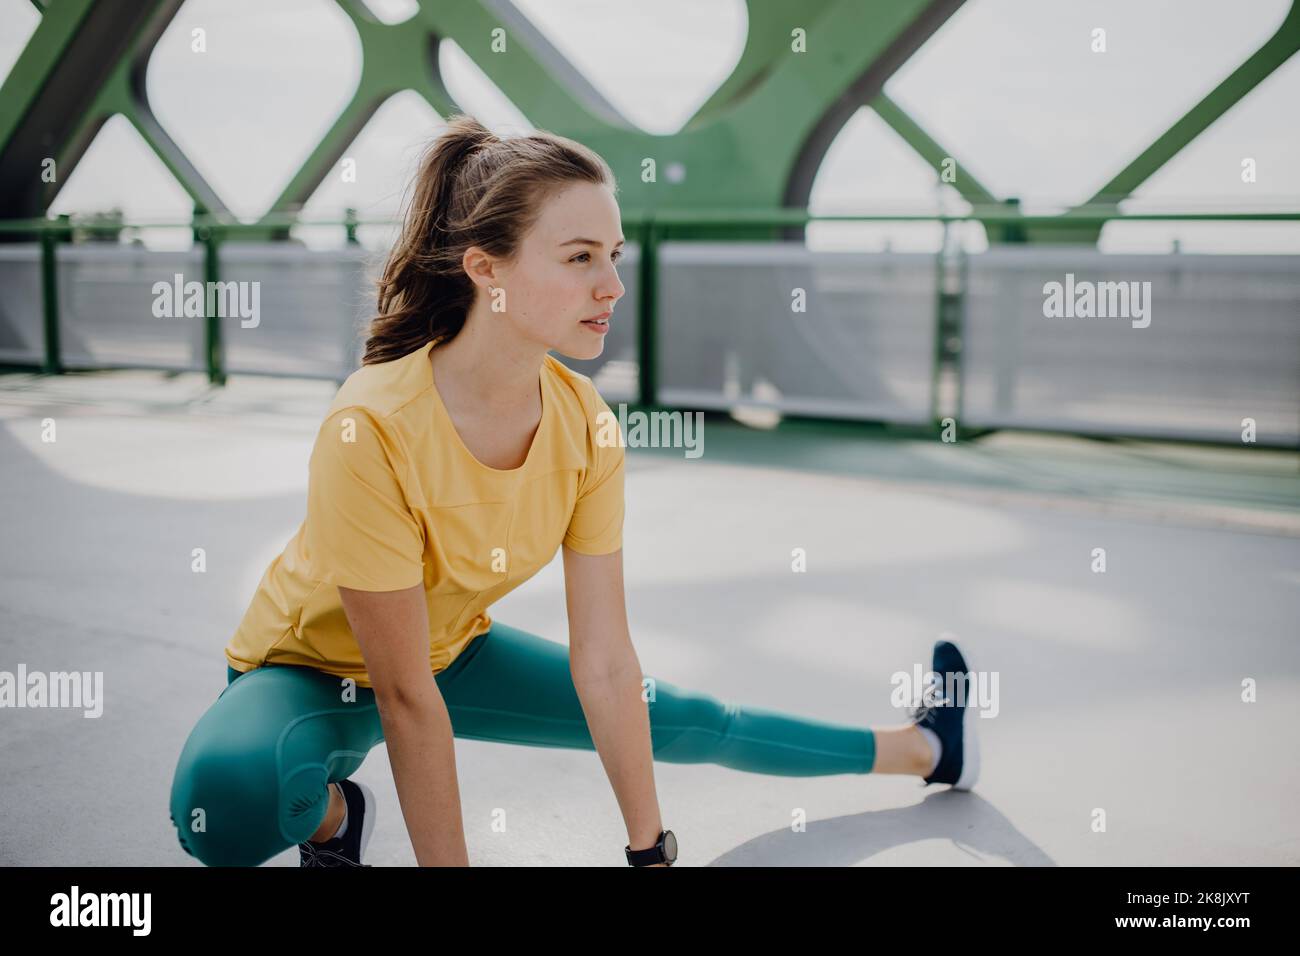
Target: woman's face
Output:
[(564, 272)]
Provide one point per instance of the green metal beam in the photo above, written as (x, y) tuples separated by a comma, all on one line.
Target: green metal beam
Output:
[(745, 157), (124, 93), (394, 58), (540, 81), (728, 148), (735, 133), (403, 56), (85, 63), (767, 41), (36, 63), (1275, 51), (734, 153), (966, 185)]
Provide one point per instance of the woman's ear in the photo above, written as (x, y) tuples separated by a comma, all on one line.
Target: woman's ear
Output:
[(480, 267)]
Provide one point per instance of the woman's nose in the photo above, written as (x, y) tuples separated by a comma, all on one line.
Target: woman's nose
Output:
[(611, 287)]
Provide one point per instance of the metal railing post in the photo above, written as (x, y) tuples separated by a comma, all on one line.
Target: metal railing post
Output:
[(215, 353), (49, 239), (936, 355), (648, 331), (959, 310)]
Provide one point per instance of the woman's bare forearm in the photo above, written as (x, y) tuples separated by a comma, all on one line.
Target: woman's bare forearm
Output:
[(422, 752), (618, 719)]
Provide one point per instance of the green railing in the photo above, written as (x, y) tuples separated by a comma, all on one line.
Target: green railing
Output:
[(649, 227)]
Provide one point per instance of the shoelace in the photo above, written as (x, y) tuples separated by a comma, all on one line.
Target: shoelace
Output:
[(313, 855), (931, 699)]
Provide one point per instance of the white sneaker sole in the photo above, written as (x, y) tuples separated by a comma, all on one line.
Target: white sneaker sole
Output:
[(368, 824), (970, 747)]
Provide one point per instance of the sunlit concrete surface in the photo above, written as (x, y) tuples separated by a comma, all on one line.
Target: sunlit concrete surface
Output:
[(1118, 692)]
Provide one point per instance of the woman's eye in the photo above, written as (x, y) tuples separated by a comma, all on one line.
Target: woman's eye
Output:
[(616, 255)]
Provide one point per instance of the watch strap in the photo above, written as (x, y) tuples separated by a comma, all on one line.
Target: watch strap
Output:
[(648, 856)]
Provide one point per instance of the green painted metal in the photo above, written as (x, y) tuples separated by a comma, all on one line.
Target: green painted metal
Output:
[(36, 62), (394, 58), (929, 150), (743, 157), (1284, 42), (711, 222), (49, 239), (999, 214), (732, 153), (118, 97), (767, 42), (214, 349), (120, 92), (648, 317), (1275, 51)]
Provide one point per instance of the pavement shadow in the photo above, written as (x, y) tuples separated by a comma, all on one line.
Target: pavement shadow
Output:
[(964, 817)]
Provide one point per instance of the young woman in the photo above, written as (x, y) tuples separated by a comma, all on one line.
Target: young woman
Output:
[(449, 469)]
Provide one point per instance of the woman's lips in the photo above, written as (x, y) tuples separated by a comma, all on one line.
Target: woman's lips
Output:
[(599, 323)]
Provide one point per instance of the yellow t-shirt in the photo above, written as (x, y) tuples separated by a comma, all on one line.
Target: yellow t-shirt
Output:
[(394, 498)]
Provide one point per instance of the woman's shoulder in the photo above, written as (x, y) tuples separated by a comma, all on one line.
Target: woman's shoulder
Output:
[(384, 389), (576, 389), (588, 421)]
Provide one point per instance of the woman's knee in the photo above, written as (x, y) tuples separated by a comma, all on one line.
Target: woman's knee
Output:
[(225, 804), (683, 722)]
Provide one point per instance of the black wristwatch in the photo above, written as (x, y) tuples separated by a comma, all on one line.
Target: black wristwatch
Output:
[(664, 851)]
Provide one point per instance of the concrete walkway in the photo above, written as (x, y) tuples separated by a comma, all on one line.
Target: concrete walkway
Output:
[(1118, 691)]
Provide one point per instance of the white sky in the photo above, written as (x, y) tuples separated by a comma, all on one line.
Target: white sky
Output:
[(1011, 88)]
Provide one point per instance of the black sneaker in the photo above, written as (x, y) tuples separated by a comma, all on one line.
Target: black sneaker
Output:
[(959, 764), (347, 849)]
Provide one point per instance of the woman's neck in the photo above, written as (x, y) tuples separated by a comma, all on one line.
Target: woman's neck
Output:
[(490, 372)]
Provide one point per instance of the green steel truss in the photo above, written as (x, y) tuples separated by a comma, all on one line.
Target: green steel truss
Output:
[(755, 144)]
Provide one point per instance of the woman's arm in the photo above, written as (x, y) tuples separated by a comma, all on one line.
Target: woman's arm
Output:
[(392, 629), (607, 677)]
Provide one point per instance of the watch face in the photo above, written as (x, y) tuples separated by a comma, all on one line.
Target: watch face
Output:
[(670, 846)]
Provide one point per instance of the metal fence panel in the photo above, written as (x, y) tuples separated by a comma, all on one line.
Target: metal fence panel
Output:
[(22, 303), (106, 308), (312, 308), (729, 329), (1223, 344)]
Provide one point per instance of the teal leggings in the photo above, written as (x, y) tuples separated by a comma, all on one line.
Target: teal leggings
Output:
[(252, 778)]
